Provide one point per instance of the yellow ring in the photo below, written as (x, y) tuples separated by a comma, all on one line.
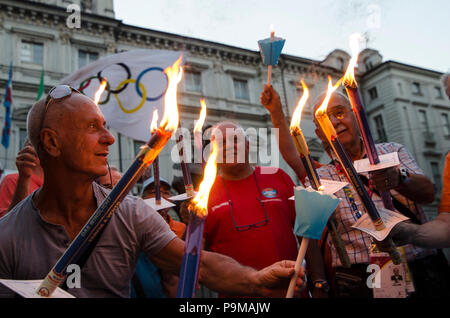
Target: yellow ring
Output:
[(144, 96)]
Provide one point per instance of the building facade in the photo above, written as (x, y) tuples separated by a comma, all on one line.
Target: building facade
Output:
[(36, 36)]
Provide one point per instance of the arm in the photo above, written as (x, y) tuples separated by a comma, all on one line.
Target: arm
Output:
[(433, 234), (271, 101), (223, 274), (417, 187), (26, 161)]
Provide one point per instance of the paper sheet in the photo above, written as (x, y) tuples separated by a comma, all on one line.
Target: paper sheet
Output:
[(386, 161), (164, 204), (330, 186), (181, 197), (389, 218), (27, 288)]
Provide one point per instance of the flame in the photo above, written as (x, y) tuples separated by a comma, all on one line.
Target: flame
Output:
[(272, 32), (322, 110), (297, 116), (170, 117), (100, 91), (154, 125), (349, 77), (201, 120), (201, 198)]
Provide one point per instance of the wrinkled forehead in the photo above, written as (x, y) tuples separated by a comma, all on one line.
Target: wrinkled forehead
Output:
[(227, 130)]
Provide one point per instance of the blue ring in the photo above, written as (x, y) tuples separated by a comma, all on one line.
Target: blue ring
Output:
[(151, 99)]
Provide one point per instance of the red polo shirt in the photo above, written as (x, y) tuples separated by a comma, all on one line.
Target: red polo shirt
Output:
[(8, 186), (257, 247)]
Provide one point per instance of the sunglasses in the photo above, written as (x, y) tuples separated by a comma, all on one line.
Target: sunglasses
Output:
[(57, 93)]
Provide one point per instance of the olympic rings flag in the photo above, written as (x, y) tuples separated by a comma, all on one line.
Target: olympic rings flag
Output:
[(136, 86)]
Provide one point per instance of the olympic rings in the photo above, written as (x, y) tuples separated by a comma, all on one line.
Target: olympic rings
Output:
[(84, 84), (99, 75), (151, 99), (125, 82)]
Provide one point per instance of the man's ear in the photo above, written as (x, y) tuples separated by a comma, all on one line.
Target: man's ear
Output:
[(50, 142)]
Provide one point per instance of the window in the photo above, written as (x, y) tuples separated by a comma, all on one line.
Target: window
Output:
[(368, 64), (379, 125), (373, 93), (400, 88), (416, 90), (438, 92), (137, 146), (31, 52), (193, 81), (241, 89), (423, 120), (445, 124), (436, 175), (340, 63), (85, 57)]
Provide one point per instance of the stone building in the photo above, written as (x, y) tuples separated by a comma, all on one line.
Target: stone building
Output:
[(403, 102)]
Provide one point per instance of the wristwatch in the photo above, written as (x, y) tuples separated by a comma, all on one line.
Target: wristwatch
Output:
[(404, 175), (322, 284)]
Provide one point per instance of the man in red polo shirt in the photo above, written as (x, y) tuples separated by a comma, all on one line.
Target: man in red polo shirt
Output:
[(17, 186), (249, 215)]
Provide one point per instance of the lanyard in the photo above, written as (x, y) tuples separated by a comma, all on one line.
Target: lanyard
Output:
[(348, 192)]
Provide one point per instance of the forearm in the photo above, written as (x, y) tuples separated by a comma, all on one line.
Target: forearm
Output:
[(20, 192), (434, 234), (286, 145), (225, 275), (418, 188)]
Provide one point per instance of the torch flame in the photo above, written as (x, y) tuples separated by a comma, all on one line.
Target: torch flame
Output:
[(331, 88), (201, 198), (154, 125), (170, 117), (349, 77), (201, 120), (100, 91), (297, 116)]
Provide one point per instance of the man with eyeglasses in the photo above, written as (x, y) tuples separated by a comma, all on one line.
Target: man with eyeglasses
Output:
[(249, 215), (69, 133), (407, 183)]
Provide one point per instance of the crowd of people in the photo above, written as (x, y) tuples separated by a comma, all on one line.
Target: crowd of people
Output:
[(249, 244)]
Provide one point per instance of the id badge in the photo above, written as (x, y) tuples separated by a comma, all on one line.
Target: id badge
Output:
[(387, 279)]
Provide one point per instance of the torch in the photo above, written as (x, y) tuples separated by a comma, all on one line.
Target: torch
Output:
[(270, 49), (193, 244), (198, 131), (187, 179), (102, 215), (155, 164), (349, 170), (303, 151), (351, 87)]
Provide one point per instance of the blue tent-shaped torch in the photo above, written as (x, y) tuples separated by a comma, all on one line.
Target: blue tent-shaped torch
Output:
[(270, 49), (313, 210)]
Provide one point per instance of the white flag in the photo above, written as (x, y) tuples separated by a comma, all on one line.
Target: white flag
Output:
[(136, 86)]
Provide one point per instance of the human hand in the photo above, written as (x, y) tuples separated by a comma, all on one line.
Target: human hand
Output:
[(274, 279), (385, 179), (185, 212), (271, 100), (26, 161)]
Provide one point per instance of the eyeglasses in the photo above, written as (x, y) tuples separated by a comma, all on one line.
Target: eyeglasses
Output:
[(339, 113), (242, 228), (56, 93)]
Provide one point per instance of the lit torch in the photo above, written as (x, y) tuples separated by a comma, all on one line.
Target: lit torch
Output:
[(348, 168), (198, 130), (351, 86), (100, 91), (193, 244), (303, 151), (155, 164), (103, 214)]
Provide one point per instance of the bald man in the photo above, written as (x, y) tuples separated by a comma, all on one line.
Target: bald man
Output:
[(249, 215), (68, 131), (407, 183)]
